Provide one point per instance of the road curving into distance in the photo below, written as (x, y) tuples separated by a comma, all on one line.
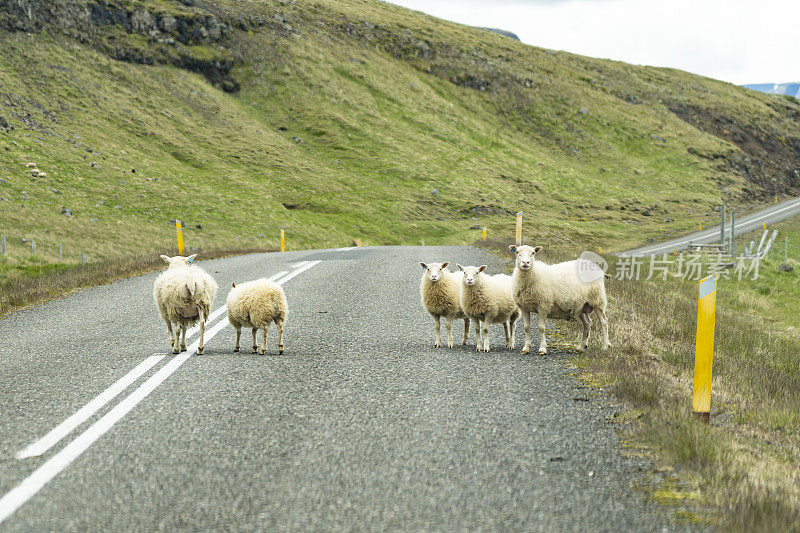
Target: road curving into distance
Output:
[(361, 424), (742, 224)]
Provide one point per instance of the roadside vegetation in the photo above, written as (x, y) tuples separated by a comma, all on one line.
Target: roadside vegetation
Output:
[(742, 470), (355, 119)]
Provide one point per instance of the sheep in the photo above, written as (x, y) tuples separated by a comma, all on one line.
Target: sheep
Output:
[(556, 291), (183, 294), (440, 291), (256, 304), (35, 172), (487, 300), (41, 175), (30, 165)]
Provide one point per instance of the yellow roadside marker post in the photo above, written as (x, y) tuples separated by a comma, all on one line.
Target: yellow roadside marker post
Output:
[(600, 250), (519, 228), (699, 226), (179, 229), (704, 347), (765, 225), (776, 198), (283, 241), (484, 234)]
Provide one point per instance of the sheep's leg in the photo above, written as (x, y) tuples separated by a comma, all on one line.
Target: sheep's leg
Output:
[(171, 334), (183, 337), (478, 337), (507, 331), (542, 340), (585, 339), (255, 344), (279, 323), (202, 318), (601, 316), (526, 319), (448, 323), (238, 338), (485, 332), (264, 330), (438, 341), (177, 340), (466, 332)]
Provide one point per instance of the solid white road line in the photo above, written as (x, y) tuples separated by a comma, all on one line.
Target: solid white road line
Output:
[(345, 248), (294, 273), (87, 411), (32, 484), (84, 413), (214, 314)]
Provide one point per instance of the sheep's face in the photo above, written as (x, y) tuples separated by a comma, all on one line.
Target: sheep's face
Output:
[(472, 274), (525, 255), (434, 271), (178, 260)]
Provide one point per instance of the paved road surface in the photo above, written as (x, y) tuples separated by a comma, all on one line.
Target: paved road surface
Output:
[(742, 224), (362, 424)]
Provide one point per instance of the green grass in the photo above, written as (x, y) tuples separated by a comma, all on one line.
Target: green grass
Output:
[(744, 464), (381, 125)]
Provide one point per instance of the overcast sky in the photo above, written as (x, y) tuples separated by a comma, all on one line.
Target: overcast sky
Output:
[(739, 41)]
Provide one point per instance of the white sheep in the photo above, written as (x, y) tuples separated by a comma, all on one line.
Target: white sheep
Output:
[(557, 291), (30, 165), (440, 291), (35, 172), (488, 300), (41, 175), (256, 304), (183, 294)]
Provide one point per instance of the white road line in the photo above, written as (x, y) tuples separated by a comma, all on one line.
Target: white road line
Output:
[(298, 264), (87, 411), (32, 484), (294, 273), (84, 413), (345, 249), (711, 233), (214, 314)]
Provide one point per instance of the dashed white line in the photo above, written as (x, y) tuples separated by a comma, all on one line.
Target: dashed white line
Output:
[(345, 249), (32, 484)]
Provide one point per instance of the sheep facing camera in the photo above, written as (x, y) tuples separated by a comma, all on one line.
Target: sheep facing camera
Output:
[(591, 267)]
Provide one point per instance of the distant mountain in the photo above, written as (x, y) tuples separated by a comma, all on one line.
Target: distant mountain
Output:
[(792, 89), (503, 32)]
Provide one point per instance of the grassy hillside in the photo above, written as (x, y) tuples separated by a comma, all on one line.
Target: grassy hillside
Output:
[(352, 119)]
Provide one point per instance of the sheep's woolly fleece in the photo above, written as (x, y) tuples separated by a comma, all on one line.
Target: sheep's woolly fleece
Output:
[(557, 286), (442, 297), (180, 292), (489, 295), (256, 304)]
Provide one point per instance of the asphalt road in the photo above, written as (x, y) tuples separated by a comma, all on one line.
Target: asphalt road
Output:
[(742, 224), (360, 425)]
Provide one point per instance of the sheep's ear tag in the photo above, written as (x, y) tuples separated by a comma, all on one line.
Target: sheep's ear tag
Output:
[(191, 260)]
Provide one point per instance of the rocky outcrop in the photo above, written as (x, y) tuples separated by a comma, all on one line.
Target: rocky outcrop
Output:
[(192, 39), (504, 33)]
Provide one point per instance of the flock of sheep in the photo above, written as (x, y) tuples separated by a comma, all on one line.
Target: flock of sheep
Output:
[(550, 291), (184, 293)]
